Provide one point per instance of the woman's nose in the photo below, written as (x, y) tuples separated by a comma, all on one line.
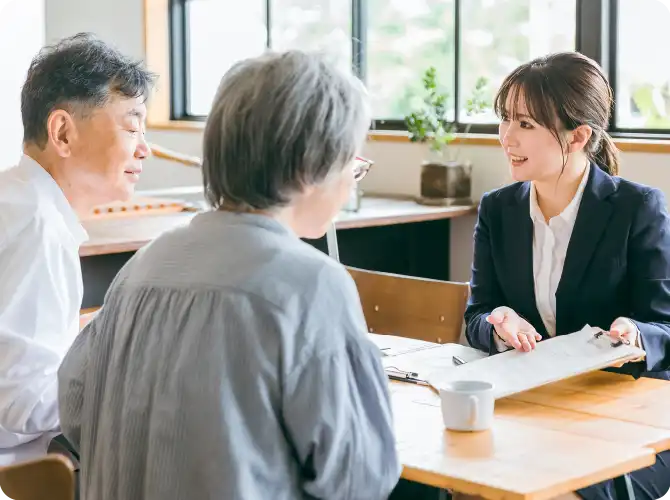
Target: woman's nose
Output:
[(508, 136)]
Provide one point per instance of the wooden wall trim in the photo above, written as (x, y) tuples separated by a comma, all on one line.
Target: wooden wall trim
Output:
[(157, 53), (626, 145)]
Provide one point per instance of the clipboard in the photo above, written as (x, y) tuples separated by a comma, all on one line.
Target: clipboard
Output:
[(552, 360), (412, 366), (392, 345)]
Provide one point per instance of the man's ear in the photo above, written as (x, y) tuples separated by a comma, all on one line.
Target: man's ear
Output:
[(579, 137), (61, 131)]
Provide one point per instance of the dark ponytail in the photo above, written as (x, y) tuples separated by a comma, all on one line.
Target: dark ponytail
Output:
[(607, 155)]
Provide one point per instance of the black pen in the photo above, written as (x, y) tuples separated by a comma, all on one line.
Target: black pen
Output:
[(404, 378), (412, 380), (457, 360)]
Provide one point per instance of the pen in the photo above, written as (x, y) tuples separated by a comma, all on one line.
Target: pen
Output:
[(414, 381), (404, 378), (457, 360)]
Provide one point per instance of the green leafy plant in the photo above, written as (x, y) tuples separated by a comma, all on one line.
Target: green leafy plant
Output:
[(479, 101), (430, 123), (653, 104)]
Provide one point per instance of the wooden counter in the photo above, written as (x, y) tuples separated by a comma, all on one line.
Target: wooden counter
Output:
[(388, 234), (128, 234), (377, 212)]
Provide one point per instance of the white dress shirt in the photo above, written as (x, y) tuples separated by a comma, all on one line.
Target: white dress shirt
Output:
[(550, 246), (40, 297)]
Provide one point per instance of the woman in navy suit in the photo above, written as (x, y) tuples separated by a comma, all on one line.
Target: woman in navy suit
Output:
[(570, 243)]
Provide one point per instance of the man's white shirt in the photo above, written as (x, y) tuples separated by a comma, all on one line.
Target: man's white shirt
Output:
[(41, 292)]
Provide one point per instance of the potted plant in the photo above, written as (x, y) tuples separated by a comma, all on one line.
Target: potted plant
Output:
[(445, 180)]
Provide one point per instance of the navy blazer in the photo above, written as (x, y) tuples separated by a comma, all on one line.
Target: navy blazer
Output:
[(617, 264)]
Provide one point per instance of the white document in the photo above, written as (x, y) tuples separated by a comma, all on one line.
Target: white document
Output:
[(391, 345), (552, 360)]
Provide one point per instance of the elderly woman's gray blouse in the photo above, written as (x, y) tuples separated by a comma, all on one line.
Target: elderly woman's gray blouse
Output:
[(230, 361)]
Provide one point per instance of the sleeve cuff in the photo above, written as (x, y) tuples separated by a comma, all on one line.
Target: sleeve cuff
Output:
[(638, 337), (500, 344), (638, 340)]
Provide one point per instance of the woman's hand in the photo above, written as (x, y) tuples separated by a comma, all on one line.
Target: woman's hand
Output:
[(513, 329), (624, 330)]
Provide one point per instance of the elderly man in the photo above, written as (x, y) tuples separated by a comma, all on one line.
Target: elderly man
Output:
[(83, 116), (231, 359)]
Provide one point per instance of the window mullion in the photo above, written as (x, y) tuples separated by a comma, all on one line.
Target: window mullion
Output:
[(457, 59), (593, 30), (597, 37), (178, 59), (359, 39), (612, 20), (268, 23)]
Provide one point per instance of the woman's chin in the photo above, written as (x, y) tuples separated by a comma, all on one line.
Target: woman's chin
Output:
[(519, 174)]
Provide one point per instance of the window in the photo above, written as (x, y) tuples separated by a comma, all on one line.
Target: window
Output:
[(213, 41), (403, 39), (209, 36), (320, 25), (497, 36), (391, 43), (642, 65)]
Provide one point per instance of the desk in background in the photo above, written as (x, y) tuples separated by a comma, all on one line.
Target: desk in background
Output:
[(387, 234)]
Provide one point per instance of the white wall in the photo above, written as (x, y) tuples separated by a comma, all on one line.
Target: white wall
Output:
[(120, 22), (397, 164), (397, 170), (21, 36)]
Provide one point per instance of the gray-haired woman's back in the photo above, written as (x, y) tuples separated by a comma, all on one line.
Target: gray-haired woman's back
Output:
[(230, 361)]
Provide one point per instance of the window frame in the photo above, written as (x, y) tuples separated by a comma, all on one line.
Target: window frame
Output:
[(596, 37)]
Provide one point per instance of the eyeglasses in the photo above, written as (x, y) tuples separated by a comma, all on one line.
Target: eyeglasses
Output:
[(361, 168)]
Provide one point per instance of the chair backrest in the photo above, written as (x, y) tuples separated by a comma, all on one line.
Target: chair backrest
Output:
[(412, 307), (47, 478), (86, 316)]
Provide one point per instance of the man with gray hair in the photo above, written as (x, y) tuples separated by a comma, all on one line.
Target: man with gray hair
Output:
[(231, 359), (83, 110)]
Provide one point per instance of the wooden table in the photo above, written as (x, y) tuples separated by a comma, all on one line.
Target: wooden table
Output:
[(386, 234), (545, 442), (644, 401)]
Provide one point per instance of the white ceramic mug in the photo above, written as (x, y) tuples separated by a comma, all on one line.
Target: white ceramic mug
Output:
[(467, 405)]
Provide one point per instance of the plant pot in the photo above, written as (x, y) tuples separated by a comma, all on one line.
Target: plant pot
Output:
[(446, 183)]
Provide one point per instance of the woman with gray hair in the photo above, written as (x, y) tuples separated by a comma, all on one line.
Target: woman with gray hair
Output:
[(230, 359)]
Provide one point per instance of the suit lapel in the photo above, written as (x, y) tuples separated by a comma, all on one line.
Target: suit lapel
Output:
[(518, 232), (592, 220)]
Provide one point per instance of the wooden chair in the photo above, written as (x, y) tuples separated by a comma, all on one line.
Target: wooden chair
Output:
[(48, 478), (411, 307), (86, 316)]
